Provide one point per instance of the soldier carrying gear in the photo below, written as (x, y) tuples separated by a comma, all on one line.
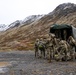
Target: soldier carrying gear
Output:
[(54, 44), (51, 45), (72, 43), (49, 49), (42, 47), (64, 49), (36, 47), (57, 51), (45, 40)]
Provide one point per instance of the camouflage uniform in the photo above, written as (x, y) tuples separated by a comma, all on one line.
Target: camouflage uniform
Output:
[(42, 47), (55, 44), (72, 43), (63, 50), (57, 55), (46, 45), (49, 50), (36, 48), (51, 46)]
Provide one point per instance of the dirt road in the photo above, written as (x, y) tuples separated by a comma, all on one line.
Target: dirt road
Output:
[(24, 63)]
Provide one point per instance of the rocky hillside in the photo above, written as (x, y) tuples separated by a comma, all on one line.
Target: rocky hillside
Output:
[(23, 37)]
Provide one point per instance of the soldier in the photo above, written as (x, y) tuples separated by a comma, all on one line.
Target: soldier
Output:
[(54, 43), (72, 43), (42, 47), (36, 47), (51, 44), (49, 49), (46, 40), (63, 50), (57, 51)]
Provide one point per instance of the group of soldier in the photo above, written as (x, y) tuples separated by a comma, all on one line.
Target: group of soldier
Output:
[(53, 48)]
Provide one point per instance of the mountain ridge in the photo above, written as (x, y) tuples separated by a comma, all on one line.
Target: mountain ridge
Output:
[(27, 20), (23, 37)]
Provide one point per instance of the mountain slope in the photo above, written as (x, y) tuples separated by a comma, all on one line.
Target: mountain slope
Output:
[(23, 37), (26, 21), (3, 27), (31, 19)]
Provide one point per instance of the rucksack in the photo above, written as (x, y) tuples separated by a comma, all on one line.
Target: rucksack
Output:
[(41, 45)]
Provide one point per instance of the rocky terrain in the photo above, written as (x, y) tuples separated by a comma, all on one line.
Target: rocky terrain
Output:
[(22, 37), (24, 63)]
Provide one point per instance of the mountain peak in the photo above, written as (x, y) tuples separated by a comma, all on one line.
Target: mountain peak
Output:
[(66, 6), (31, 19), (64, 9)]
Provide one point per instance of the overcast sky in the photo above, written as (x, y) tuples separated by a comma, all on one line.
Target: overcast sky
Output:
[(12, 10)]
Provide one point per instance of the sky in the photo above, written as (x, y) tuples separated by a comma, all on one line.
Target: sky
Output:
[(12, 10)]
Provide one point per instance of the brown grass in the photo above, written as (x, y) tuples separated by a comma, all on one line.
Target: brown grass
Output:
[(23, 38)]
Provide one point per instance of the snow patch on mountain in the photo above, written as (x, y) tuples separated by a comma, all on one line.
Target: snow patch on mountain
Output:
[(31, 19), (3, 27), (17, 23)]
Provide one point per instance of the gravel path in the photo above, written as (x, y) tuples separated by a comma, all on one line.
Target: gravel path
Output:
[(24, 63)]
